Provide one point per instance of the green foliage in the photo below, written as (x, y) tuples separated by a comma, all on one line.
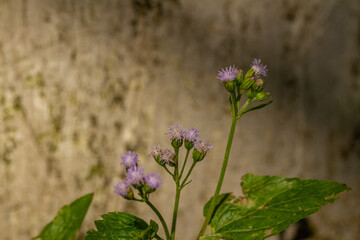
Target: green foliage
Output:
[(122, 226), (257, 107), (271, 204), (68, 220)]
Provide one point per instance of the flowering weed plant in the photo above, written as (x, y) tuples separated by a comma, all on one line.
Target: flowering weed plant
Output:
[(270, 204)]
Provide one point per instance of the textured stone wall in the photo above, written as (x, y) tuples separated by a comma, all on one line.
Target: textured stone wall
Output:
[(83, 81)]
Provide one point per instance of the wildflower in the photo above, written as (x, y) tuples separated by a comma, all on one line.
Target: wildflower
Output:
[(259, 69), (201, 148), (155, 151), (227, 74), (190, 138), (122, 188), (167, 157), (153, 180), (135, 175), (191, 135), (129, 159), (176, 132)]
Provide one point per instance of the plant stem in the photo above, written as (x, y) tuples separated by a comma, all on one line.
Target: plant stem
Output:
[(221, 178), (176, 207), (177, 197), (183, 167), (168, 171), (188, 174), (243, 108), (160, 217)]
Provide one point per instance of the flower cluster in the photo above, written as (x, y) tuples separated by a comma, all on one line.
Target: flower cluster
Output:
[(178, 135), (236, 82), (162, 156), (135, 177)]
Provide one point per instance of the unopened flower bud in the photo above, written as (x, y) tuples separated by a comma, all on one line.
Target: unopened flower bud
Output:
[(248, 81), (251, 94), (250, 73), (261, 96), (258, 85), (240, 77)]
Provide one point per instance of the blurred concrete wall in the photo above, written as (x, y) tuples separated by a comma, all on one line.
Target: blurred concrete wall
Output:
[(83, 81)]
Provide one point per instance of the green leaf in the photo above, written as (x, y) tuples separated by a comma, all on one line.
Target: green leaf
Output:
[(257, 107), (271, 204), (220, 200), (122, 226), (68, 220)]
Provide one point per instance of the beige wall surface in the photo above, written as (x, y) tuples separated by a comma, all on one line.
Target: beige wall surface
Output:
[(83, 81)]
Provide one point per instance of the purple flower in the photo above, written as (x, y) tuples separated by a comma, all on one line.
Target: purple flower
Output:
[(259, 69), (122, 188), (203, 146), (153, 180), (229, 74), (176, 132), (167, 156), (191, 135), (129, 159), (156, 151), (135, 175)]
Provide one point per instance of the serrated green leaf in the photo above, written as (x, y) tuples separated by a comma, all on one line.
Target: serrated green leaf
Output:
[(122, 226), (68, 220), (271, 204)]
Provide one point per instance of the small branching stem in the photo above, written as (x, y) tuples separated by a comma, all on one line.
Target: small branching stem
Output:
[(166, 230)]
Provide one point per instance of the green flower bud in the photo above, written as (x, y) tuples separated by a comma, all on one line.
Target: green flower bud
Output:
[(261, 96), (240, 77), (198, 156), (247, 83), (258, 85), (250, 73), (251, 94)]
